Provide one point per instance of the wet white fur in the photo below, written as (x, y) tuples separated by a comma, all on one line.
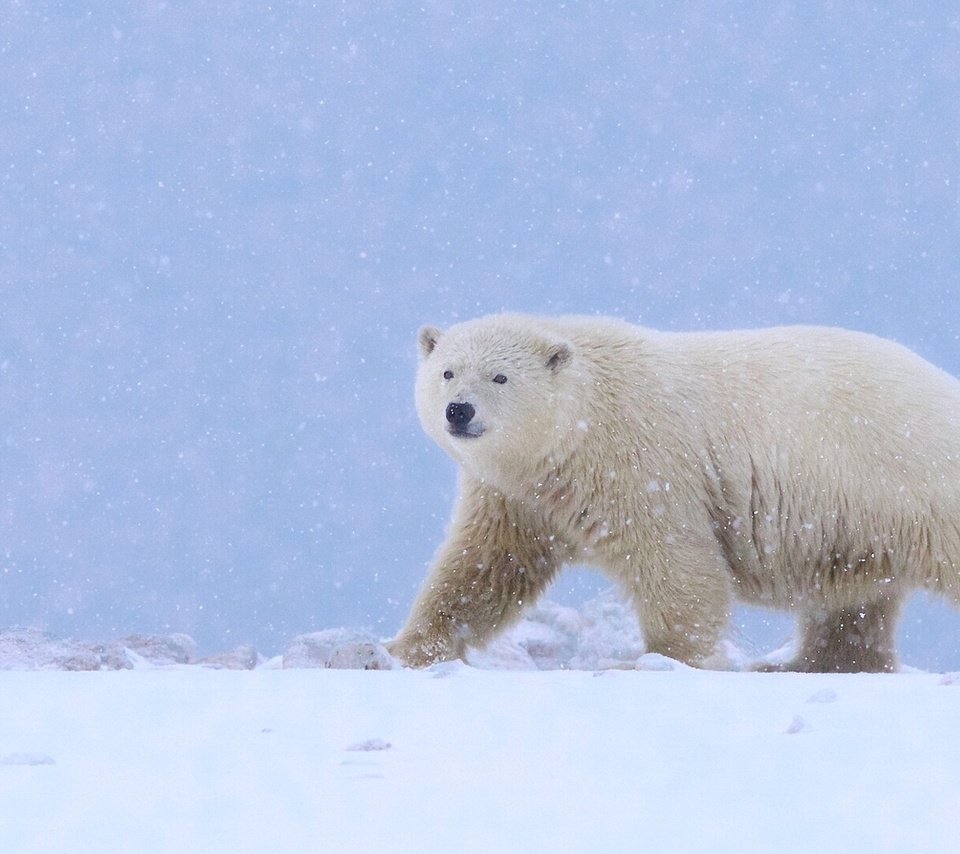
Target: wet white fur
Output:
[(802, 468)]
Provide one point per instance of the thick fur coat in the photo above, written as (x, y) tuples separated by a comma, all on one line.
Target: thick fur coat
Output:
[(808, 469)]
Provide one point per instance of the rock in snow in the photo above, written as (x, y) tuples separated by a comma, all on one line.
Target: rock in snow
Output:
[(30, 649)]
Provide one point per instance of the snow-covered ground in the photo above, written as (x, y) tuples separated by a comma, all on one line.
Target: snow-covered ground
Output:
[(496, 757)]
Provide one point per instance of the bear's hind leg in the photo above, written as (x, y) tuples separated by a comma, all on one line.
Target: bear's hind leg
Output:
[(857, 639)]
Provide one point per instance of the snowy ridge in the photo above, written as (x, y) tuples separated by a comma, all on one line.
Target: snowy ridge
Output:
[(602, 634), (30, 649)]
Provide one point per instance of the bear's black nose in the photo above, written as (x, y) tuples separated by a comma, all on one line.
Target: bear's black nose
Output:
[(460, 414)]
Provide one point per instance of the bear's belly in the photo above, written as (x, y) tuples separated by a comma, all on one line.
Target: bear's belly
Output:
[(788, 564)]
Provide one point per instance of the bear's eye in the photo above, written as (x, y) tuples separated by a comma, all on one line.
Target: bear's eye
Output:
[(448, 375), (500, 379)]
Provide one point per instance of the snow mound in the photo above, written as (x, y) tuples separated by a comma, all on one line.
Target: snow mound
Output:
[(340, 649), (27, 759), (603, 634), (369, 745)]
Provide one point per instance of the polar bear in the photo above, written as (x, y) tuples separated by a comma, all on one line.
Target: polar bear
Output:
[(810, 469)]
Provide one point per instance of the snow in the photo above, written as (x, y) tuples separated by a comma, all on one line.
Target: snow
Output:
[(272, 760), (514, 752)]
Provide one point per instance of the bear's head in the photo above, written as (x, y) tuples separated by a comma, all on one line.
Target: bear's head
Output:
[(491, 392)]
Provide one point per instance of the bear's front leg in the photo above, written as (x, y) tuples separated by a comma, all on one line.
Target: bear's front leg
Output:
[(496, 560)]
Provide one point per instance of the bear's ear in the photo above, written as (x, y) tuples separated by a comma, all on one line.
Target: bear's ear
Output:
[(427, 338), (559, 356)]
